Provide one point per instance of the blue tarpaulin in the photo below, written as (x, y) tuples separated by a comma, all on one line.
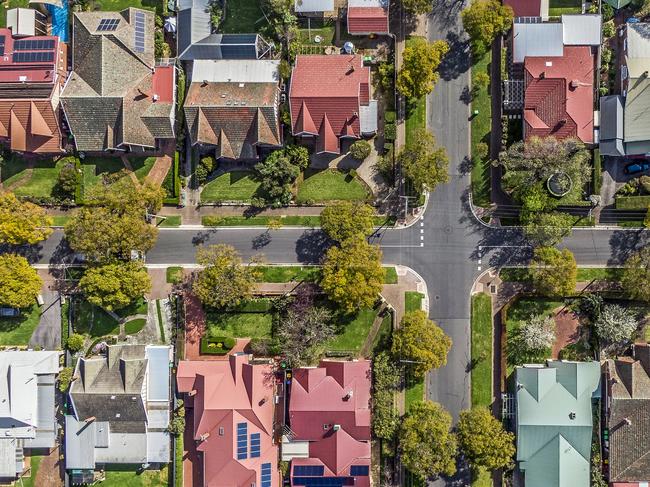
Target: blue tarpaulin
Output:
[(59, 20)]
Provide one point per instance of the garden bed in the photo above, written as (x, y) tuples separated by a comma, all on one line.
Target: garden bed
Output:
[(217, 345)]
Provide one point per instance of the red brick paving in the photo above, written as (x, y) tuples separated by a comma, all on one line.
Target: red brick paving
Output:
[(567, 330)]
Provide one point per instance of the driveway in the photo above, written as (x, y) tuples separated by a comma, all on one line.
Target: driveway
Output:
[(48, 331)]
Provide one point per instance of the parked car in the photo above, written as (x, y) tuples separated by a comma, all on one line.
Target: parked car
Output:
[(637, 167)]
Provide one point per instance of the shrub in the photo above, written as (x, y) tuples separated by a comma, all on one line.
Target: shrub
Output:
[(204, 168), (644, 181), (68, 180), (390, 116), (609, 29), (65, 377), (360, 150), (390, 131), (75, 342), (481, 150), (285, 69), (177, 426), (615, 324)]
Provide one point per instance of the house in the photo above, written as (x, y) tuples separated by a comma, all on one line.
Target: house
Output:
[(117, 97), (529, 8), (27, 406), (231, 421), (120, 409), (628, 417), (367, 17), (33, 69), (328, 439), (554, 422), (625, 118), (330, 100), (232, 107)]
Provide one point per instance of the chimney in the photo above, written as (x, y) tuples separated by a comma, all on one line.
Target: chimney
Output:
[(349, 395), (90, 419), (627, 421), (350, 69), (574, 84), (204, 436), (192, 393), (644, 74), (563, 121)]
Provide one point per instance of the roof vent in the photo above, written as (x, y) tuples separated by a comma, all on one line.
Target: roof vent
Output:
[(348, 395), (241, 85), (205, 436), (548, 64), (563, 121), (574, 84), (117, 415), (112, 397), (644, 74), (336, 427), (223, 95), (205, 82), (627, 421), (156, 97), (572, 415)]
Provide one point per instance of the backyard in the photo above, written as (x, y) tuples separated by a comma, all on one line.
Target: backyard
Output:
[(242, 17), (330, 185), (231, 186), (561, 7), (18, 330), (132, 478)]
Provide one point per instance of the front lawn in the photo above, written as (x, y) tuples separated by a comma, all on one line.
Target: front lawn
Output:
[(310, 273), (414, 392), (353, 332), (481, 350), (138, 307), (141, 166), (231, 186), (171, 221), (174, 275), (243, 17), (94, 169), (42, 181), (136, 478), (330, 185), (93, 321), (18, 330), (239, 324), (481, 126), (412, 301), (134, 326)]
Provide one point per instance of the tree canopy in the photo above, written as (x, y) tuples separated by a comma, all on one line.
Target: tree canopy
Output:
[(115, 285), (417, 7), (386, 381), (427, 445), (352, 274), (547, 229), (278, 174), (484, 20), (418, 74), (536, 334), (636, 275), (124, 197), (483, 440), (616, 324), (424, 163), (224, 281), (554, 271), (22, 222), (346, 219), (420, 340), (19, 282)]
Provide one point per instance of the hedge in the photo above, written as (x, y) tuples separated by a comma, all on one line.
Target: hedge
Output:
[(390, 131), (632, 202), (226, 345), (175, 183)]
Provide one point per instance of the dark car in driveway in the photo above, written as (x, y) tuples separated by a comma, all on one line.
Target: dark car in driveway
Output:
[(637, 167)]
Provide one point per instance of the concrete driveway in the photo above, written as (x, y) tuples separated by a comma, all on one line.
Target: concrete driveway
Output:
[(48, 331)]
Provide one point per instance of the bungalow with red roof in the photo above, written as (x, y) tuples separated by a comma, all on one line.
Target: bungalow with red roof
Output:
[(367, 17), (32, 74), (329, 99), (233, 412), (328, 436)]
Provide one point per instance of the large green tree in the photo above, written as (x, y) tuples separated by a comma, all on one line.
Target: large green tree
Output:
[(419, 72), (427, 445), (423, 162), (554, 271), (22, 222), (116, 285), (636, 275), (352, 274), (483, 440), (417, 7), (278, 174), (386, 381), (421, 341), (484, 20), (546, 229), (19, 282), (124, 196), (347, 219), (225, 281)]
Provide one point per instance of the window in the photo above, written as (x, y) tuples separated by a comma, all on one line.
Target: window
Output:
[(242, 441), (624, 72), (311, 470), (221, 431), (266, 475), (359, 470), (255, 445)]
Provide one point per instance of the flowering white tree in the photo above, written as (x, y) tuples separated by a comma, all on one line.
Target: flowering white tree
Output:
[(538, 333), (616, 324)]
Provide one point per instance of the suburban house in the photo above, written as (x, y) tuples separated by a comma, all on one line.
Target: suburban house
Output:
[(232, 107), (27, 408), (529, 8), (625, 118), (117, 97), (120, 403), (628, 417), (230, 416), (330, 101), (328, 436), (554, 422), (33, 69), (367, 17), (552, 76)]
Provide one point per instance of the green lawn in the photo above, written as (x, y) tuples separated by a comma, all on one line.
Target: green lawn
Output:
[(481, 350), (413, 301), (414, 392), (59, 221), (35, 464), (42, 181), (390, 275), (521, 274), (178, 460), (138, 307), (481, 126), (353, 333), (289, 273), (331, 185), (262, 221), (9, 5), (133, 478), (141, 166), (416, 117), (243, 17), (560, 7), (118, 5), (231, 186), (239, 325), (134, 326), (95, 168), (171, 221), (18, 331), (383, 338), (93, 321), (174, 275)]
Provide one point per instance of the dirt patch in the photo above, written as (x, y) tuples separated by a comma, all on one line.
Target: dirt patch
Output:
[(567, 330), (49, 471)]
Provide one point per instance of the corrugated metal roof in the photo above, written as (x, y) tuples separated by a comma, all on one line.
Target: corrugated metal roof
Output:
[(158, 372), (581, 30), (236, 70), (611, 118), (314, 5), (368, 117), (79, 444), (543, 39)]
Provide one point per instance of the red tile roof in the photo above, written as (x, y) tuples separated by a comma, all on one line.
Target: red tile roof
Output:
[(558, 99), (367, 20), (525, 8), (225, 393), (335, 86)]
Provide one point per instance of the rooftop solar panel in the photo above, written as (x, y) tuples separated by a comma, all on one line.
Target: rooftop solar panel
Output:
[(265, 475), (255, 445), (360, 470), (242, 441), (108, 25), (238, 39), (311, 470), (34, 45), (139, 31), (33, 57)]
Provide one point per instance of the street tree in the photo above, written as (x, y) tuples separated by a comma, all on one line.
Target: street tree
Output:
[(421, 342), (386, 381), (19, 282), (22, 222), (115, 285), (536, 334), (636, 275), (103, 234), (352, 274), (616, 325), (484, 20), (346, 219), (225, 281), (547, 228), (483, 440), (417, 7), (427, 445), (423, 162), (554, 272), (419, 72)]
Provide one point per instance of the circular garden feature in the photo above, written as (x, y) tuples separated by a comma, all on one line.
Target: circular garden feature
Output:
[(559, 184)]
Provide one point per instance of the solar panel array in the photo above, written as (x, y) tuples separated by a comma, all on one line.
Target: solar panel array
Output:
[(242, 441), (255, 445), (323, 481), (33, 57), (266, 475), (139, 31), (34, 45), (313, 470), (360, 470), (107, 25), (2, 45)]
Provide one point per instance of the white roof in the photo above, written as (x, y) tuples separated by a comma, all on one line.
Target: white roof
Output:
[(638, 40), (236, 70), (158, 447), (541, 39), (158, 358), (314, 5), (22, 21), (581, 30), (7, 457), (368, 3), (368, 117)]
